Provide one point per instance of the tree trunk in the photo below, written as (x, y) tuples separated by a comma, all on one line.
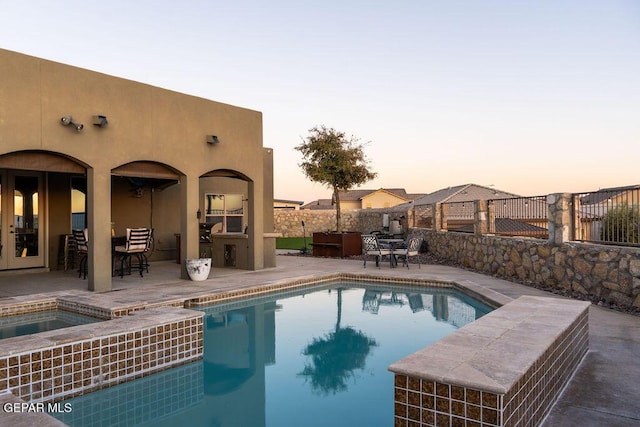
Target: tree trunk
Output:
[(336, 197)]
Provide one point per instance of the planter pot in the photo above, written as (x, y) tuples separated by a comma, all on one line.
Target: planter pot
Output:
[(198, 269)]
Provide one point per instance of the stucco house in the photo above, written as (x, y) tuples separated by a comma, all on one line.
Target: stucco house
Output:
[(460, 214), (81, 147), (287, 204), (366, 199)]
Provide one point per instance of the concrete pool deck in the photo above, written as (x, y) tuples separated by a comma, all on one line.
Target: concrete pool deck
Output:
[(605, 391)]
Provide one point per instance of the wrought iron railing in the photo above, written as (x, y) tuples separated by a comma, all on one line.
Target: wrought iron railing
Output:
[(610, 216), (520, 216), (459, 215)]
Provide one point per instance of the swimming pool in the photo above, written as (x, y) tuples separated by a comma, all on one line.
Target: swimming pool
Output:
[(40, 321), (310, 357)]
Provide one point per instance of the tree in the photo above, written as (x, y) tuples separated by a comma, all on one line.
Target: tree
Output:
[(621, 224), (329, 157), (335, 356)]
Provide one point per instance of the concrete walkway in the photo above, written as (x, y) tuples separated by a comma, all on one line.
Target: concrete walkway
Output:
[(605, 390)]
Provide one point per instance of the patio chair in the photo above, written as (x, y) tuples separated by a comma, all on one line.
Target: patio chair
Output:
[(138, 240), (412, 249), (371, 246), (82, 249)]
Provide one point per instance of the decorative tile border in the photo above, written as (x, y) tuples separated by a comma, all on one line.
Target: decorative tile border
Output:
[(63, 363), (507, 375), (229, 296), (11, 307)]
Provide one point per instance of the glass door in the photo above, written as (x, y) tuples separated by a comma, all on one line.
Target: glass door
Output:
[(21, 219)]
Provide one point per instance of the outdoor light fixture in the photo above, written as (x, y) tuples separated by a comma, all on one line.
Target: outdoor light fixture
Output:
[(68, 121), (100, 121), (212, 139)]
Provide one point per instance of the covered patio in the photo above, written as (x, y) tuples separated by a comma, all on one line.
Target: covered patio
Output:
[(136, 156)]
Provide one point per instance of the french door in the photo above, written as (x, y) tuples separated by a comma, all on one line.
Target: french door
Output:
[(21, 220)]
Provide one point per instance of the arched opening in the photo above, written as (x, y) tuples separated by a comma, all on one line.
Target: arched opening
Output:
[(146, 194), (35, 207), (225, 214)]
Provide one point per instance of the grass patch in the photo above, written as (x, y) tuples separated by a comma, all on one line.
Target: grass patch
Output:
[(295, 243)]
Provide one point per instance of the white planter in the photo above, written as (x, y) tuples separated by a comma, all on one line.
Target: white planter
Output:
[(198, 269)]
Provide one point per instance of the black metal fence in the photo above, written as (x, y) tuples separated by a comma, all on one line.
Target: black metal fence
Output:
[(610, 216), (518, 216)]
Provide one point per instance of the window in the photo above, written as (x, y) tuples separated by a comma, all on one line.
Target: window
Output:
[(225, 212)]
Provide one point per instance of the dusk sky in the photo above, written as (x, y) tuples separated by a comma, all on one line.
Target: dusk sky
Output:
[(531, 97)]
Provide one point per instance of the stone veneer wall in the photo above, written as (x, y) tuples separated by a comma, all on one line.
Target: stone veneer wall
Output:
[(599, 272), (289, 222), (62, 363), (609, 273)]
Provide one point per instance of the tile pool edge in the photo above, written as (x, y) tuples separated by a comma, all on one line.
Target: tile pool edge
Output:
[(507, 368), (484, 295), (53, 365), (79, 302)]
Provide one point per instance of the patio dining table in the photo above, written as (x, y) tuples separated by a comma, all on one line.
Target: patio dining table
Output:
[(392, 244)]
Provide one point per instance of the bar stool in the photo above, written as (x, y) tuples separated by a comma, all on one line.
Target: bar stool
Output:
[(67, 251), (80, 239)]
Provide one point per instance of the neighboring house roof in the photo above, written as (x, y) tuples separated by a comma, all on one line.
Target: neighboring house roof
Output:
[(605, 194), (319, 204), (462, 193), (360, 194), (292, 202), (509, 226), (357, 195)]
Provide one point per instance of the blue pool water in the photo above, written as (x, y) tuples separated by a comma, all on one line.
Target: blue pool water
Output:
[(317, 358), (41, 321)]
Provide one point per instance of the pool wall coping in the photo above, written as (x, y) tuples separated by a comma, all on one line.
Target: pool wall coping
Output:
[(122, 317), (520, 356)]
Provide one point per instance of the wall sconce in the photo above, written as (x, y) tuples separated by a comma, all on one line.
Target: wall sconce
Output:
[(100, 121), (68, 121), (212, 139)]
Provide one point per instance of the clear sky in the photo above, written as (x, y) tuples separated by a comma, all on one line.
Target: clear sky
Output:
[(532, 97)]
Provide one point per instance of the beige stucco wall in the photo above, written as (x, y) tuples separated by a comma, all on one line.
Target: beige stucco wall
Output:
[(381, 199), (146, 123), (349, 204)]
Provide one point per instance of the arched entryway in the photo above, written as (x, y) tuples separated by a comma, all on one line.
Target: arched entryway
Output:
[(226, 218), (35, 207)]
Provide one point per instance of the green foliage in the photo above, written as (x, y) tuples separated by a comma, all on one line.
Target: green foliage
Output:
[(620, 225), (332, 159), (296, 243)]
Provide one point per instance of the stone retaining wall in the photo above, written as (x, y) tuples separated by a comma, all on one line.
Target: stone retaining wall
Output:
[(289, 222), (606, 273)]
